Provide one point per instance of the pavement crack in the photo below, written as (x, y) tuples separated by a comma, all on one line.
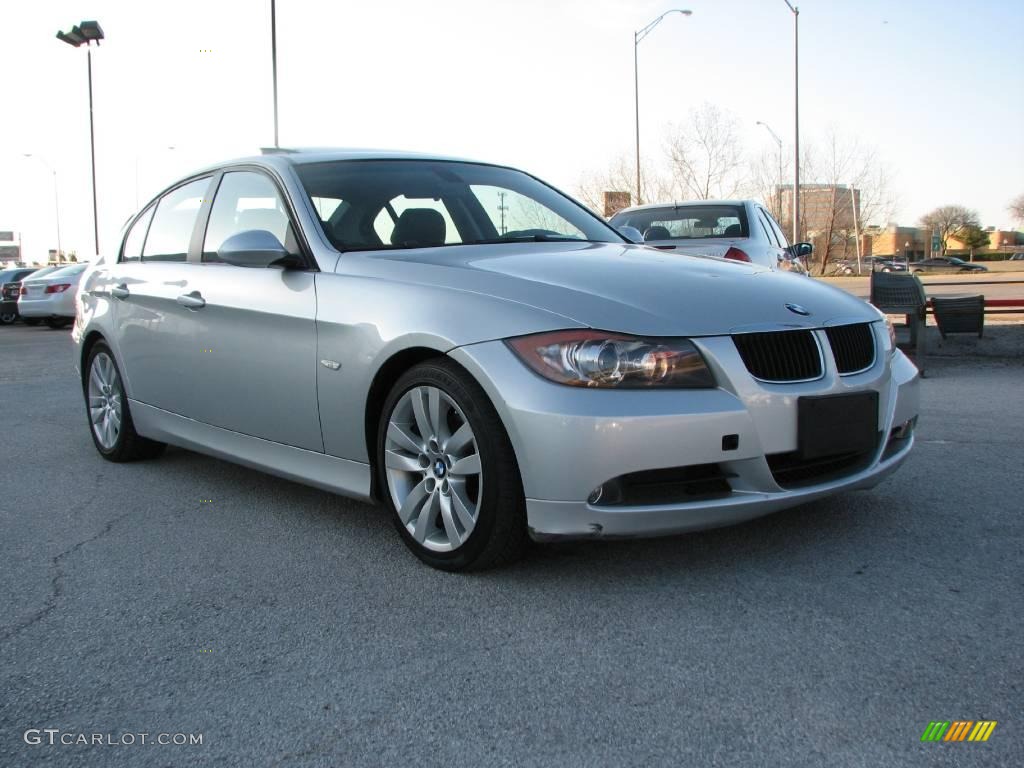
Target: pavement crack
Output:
[(57, 581)]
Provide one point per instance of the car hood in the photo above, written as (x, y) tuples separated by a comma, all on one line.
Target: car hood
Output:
[(625, 288)]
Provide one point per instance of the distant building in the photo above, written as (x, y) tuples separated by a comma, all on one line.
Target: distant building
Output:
[(822, 207), (615, 202), (915, 242)]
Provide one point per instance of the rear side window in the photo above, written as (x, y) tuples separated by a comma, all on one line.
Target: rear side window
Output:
[(132, 250), (171, 229)]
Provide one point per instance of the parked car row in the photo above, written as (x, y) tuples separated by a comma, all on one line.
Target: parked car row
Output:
[(867, 264), (36, 295)]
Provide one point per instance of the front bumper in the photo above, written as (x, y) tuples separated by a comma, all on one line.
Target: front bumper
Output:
[(570, 441)]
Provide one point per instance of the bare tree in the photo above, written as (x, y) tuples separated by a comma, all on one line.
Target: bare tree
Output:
[(850, 189), (1016, 209), (706, 155), (620, 176), (950, 221)]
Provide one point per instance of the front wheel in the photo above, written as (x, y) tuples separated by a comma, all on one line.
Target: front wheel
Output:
[(447, 471), (110, 420), (7, 318)]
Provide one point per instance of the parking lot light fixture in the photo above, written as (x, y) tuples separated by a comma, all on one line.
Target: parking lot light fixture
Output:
[(87, 33), (796, 120), (637, 37)]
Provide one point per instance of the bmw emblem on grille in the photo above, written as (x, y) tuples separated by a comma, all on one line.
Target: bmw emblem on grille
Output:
[(797, 309)]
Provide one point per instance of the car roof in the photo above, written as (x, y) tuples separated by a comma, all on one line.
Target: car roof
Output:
[(682, 204), (278, 157)]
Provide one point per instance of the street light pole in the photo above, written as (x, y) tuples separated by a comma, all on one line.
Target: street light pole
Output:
[(273, 61), (778, 195), (637, 37), (88, 32), (56, 199), (796, 120)]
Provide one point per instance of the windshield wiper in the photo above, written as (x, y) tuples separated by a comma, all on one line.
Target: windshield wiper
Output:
[(529, 239)]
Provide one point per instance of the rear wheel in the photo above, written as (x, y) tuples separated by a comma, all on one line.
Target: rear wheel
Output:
[(7, 318), (447, 471), (110, 420)]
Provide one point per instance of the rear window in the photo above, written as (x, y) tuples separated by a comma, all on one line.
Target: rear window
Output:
[(687, 222), (68, 271)]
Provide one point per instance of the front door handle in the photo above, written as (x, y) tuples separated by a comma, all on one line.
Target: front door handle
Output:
[(193, 300), (120, 291)]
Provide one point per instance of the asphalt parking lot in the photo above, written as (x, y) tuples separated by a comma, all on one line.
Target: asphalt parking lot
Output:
[(291, 627)]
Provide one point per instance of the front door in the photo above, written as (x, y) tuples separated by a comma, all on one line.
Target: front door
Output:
[(254, 329)]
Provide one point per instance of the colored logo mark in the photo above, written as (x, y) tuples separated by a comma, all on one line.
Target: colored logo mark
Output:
[(958, 730)]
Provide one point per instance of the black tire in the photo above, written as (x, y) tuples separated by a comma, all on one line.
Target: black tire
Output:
[(129, 445), (57, 323), (8, 318), (31, 320), (499, 536)]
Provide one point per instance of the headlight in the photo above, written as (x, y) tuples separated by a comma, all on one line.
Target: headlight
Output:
[(892, 335), (599, 359)]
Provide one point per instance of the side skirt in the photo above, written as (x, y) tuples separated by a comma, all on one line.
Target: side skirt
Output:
[(330, 473)]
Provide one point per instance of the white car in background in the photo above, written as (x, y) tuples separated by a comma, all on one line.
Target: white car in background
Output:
[(51, 298), (739, 230)]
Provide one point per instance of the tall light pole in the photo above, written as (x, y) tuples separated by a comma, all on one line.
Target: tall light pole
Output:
[(88, 32), (637, 37), (56, 198), (778, 195), (796, 120), (273, 60)]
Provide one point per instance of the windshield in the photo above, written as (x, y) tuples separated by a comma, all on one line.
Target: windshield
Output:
[(686, 222), (386, 204)]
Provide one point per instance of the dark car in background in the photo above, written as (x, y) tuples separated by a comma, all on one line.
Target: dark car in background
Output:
[(946, 264), (10, 288)]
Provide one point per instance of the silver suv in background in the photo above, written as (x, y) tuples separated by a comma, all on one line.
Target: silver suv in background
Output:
[(739, 230)]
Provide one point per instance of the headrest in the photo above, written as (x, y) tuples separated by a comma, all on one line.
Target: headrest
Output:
[(419, 228), (657, 233)]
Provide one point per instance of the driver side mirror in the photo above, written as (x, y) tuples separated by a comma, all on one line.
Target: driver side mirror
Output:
[(632, 234), (801, 250), (256, 248)]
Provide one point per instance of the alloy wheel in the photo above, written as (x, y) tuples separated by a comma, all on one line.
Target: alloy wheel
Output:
[(105, 400), (433, 468)]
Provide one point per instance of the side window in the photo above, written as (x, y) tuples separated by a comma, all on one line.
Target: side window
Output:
[(173, 222), (762, 217), (245, 200), (132, 250), (783, 242)]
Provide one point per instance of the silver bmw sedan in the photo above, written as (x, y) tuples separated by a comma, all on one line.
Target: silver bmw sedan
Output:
[(479, 353)]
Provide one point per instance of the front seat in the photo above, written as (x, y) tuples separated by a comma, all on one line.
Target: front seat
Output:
[(657, 233), (733, 230), (419, 228)]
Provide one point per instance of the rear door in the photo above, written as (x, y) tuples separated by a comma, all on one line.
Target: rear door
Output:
[(156, 334)]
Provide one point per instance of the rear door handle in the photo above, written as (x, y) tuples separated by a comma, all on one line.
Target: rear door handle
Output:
[(120, 291), (193, 300)]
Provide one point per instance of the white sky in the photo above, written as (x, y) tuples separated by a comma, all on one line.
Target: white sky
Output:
[(546, 85)]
